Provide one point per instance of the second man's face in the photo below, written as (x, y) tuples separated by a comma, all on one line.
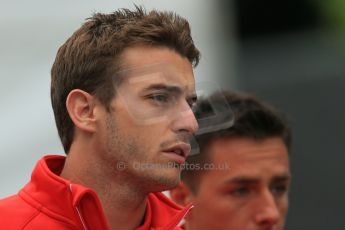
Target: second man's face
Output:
[(251, 195), (148, 128)]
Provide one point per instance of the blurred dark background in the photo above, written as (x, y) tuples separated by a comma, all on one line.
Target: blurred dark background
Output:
[(291, 53)]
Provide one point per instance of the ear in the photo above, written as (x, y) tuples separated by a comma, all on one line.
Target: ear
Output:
[(181, 194), (80, 107)]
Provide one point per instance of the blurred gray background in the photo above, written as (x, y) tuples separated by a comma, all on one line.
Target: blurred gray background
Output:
[(290, 53)]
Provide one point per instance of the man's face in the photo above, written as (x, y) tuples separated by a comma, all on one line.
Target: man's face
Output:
[(150, 122), (251, 194)]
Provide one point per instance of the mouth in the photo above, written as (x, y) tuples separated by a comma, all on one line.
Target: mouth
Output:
[(178, 152)]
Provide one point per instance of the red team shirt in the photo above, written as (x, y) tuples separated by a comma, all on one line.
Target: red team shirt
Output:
[(52, 202)]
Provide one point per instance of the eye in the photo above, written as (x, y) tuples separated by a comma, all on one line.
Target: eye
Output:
[(159, 98), (192, 103), (241, 191), (279, 190)]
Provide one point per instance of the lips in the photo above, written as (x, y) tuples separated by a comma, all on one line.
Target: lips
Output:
[(182, 150)]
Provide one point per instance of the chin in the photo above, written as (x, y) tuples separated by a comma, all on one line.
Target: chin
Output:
[(166, 180)]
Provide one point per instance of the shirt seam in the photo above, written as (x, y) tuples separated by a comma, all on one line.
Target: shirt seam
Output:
[(31, 218), (40, 209)]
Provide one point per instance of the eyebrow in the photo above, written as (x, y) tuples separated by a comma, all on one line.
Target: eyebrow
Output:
[(253, 180), (171, 89), (282, 178)]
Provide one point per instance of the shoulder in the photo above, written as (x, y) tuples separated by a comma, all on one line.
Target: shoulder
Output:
[(15, 212)]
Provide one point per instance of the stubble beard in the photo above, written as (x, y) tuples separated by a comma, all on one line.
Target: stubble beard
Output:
[(128, 150)]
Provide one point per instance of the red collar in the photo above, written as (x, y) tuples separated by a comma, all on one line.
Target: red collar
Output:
[(77, 205)]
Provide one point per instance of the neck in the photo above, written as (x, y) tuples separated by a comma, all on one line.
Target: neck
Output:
[(123, 204)]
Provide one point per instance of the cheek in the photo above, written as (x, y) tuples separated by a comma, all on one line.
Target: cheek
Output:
[(283, 206), (219, 213), (140, 114), (149, 138), (212, 203)]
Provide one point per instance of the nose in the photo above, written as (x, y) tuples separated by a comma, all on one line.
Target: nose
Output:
[(185, 120), (267, 213)]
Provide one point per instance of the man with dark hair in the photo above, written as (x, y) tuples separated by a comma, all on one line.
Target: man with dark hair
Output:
[(240, 178), (122, 89)]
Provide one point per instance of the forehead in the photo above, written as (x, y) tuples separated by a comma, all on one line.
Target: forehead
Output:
[(250, 158), (142, 65)]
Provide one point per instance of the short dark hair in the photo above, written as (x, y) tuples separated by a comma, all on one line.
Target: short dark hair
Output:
[(253, 118), (89, 58)]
